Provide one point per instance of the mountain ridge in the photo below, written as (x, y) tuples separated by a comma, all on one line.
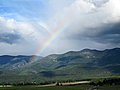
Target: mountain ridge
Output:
[(84, 64)]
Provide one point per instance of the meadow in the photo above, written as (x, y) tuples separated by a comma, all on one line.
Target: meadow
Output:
[(77, 87), (46, 88)]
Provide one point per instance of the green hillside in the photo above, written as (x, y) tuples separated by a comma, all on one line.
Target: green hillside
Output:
[(8, 62), (73, 65)]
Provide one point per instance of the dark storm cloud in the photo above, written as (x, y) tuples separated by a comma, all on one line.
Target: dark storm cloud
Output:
[(112, 28), (105, 33), (9, 38), (109, 38), (110, 33)]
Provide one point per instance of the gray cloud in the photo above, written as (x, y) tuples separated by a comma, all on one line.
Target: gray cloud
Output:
[(110, 34), (105, 33), (9, 38), (83, 24), (21, 37), (98, 3)]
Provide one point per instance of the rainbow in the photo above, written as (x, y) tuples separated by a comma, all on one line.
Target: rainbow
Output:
[(59, 30)]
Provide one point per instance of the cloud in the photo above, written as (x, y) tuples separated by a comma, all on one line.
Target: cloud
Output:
[(32, 9), (83, 18), (21, 37), (9, 38), (97, 3), (84, 24), (110, 34), (87, 21)]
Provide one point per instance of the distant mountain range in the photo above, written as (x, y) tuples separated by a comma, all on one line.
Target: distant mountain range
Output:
[(8, 62), (84, 64)]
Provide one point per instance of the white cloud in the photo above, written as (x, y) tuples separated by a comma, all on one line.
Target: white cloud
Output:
[(84, 22), (21, 37), (81, 14), (84, 19)]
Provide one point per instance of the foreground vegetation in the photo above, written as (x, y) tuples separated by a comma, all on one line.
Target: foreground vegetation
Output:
[(47, 88), (96, 84), (77, 87)]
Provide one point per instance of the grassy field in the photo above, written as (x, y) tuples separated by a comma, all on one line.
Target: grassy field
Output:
[(117, 87), (78, 87)]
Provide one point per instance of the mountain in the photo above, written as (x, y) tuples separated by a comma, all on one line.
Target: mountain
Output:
[(77, 64), (85, 57), (84, 64), (8, 62)]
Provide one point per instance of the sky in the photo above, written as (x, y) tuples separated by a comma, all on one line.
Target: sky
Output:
[(44, 27)]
